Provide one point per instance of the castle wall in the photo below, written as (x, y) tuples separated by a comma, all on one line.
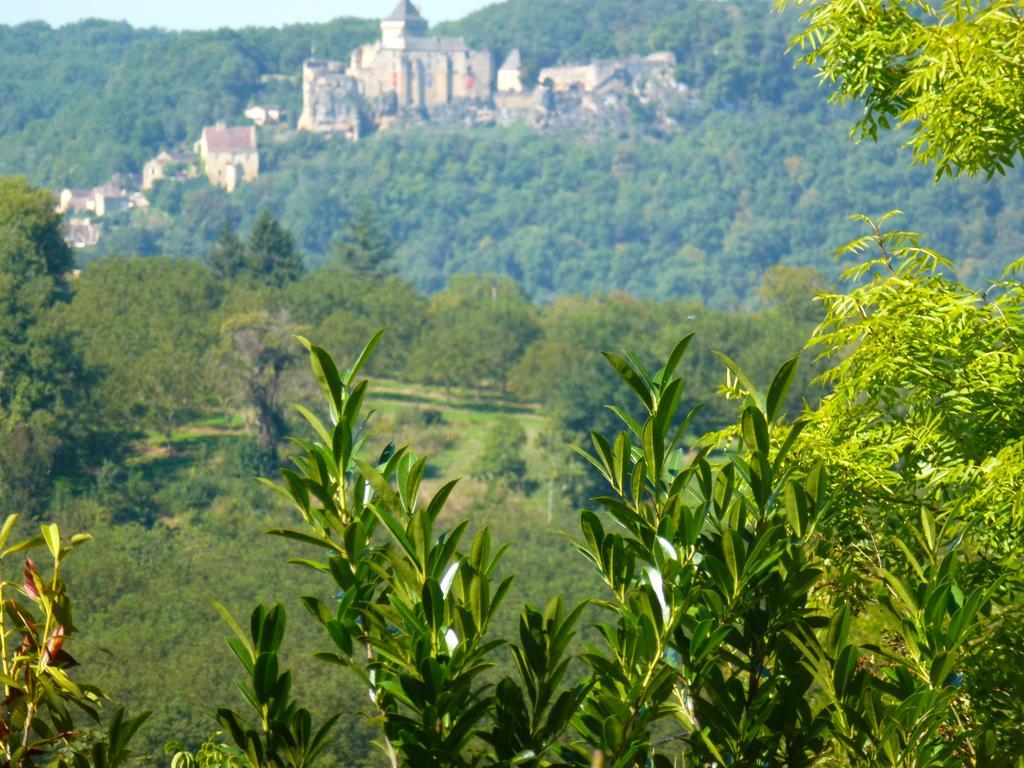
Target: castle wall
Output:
[(405, 69), (472, 75), (407, 77), (423, 78)]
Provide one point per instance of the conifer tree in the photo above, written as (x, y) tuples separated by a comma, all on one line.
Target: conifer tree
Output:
[(271, 256), (364, 247), (226, 257)]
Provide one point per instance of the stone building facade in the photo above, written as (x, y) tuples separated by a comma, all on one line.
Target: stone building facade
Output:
[(406, 70), (230, 156), (331, 100)]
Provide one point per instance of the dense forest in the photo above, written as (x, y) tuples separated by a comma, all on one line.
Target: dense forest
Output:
[(761, 172)]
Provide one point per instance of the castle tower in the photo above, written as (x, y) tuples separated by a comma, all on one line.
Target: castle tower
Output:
[(404, 22)]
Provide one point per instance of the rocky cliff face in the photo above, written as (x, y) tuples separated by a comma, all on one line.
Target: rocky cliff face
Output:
[(636, 93), (332, 104)]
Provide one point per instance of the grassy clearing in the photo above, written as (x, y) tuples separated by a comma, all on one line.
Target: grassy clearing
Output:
[(449, 428)]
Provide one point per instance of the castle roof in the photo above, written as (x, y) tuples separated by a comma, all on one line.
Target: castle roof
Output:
[(514, 60), (234, 140), (405, 11)]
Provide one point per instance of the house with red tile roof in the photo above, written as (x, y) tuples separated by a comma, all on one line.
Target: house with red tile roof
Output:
[(230, 155)]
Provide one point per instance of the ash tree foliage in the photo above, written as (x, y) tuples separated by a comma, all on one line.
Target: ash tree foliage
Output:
[(923, 425), (954, 71), (927, 408)]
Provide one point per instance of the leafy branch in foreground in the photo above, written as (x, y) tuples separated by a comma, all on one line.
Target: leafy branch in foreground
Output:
[(924, 407), (952, 70), (923, 431), (283, 734), (37, 714), (413, 610)]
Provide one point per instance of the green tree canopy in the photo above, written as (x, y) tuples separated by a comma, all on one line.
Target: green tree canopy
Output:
[(477, 328), (257, 348), (925, 398), (34, 265), (148, 325), (42, 383), (501, 458), (28, 211), (345, 307)]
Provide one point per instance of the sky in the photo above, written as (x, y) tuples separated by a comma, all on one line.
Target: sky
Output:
[(207, 14)]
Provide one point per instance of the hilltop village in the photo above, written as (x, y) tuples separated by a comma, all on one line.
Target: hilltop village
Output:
[(404, 79), (226, 155), (408, 77)]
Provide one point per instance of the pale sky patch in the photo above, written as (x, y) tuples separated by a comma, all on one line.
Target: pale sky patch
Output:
[(204, 14)]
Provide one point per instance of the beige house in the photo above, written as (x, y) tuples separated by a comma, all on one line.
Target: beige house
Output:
[(101, 201), (230, 155), (110, 199), (168, 165), (75, 200)]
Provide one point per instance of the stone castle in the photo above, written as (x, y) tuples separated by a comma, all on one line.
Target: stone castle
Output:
[(409, 77), (404, 71)]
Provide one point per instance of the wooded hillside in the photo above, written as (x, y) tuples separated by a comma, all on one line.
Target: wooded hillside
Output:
[(760, 172)]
